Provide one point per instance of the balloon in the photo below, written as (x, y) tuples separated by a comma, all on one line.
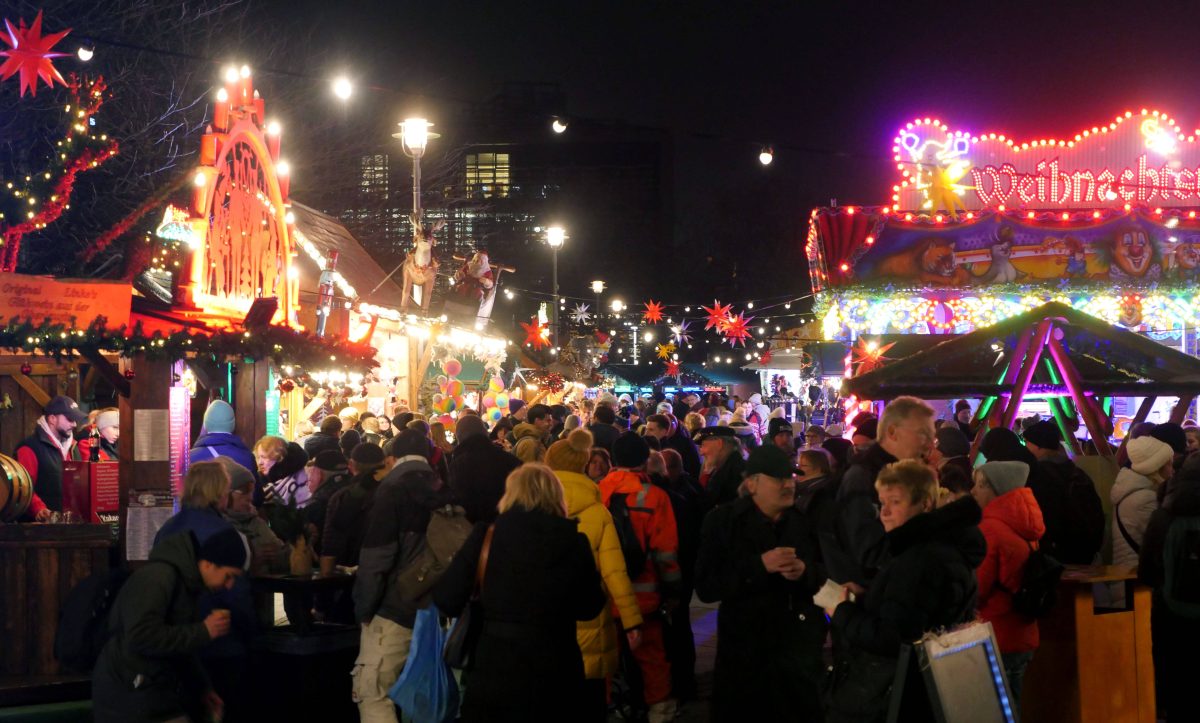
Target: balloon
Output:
[(441, 380), (451, 405), (489, 400), (494, 415), (447, 420), (456, 388), (437, 398), (496, 384), (452, 367), (502, 400)]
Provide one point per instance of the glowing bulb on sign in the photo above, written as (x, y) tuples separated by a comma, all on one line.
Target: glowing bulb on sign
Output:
[(1158, 139)]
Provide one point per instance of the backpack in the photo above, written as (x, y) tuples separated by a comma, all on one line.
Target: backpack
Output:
[(447, 531), (1181, 563), (83, 619), (1084, 517), (631, 547), (1039, 585)]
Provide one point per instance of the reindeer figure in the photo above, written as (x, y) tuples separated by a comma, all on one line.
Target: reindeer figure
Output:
[(420, 266)]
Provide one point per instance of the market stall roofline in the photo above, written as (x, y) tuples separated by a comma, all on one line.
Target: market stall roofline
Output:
[(355, 263)]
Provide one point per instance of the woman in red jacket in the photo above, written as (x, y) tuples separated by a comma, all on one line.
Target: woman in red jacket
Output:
[(1012, 525)]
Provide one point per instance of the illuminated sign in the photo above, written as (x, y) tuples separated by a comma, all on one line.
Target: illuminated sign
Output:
[(1138, 158)]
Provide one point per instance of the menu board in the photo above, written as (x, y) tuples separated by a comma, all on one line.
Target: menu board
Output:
[(148, 511), (181, 415), (151, 435)]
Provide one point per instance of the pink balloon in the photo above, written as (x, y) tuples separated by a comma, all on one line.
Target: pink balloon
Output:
[(489, 400), (455, 388), (453, 367)]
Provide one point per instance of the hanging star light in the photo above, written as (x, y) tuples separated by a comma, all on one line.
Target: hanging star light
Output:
[(673, 369), (581, 314), (765, 358), (519, 374), (30, 54), (718, 316), (737, 330), (536, 335), (868, 356), (664, 351), (680, 332), (653, 313)]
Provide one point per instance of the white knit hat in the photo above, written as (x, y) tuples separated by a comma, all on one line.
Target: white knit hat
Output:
[(1147, 455), (104, 420)]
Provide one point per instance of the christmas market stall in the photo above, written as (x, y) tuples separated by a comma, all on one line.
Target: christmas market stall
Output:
[(982, 227)]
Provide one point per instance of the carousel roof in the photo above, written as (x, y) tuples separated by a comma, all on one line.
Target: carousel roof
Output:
[(1111, 361)]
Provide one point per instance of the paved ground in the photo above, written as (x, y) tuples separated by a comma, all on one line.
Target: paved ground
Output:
[(704, 627)]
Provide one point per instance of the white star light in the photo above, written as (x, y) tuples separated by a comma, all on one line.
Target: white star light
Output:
[(581, 315), (680, 332)]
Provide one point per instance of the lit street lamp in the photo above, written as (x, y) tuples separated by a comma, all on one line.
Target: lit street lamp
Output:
[(555, 236), (414, 136), (597, 289)]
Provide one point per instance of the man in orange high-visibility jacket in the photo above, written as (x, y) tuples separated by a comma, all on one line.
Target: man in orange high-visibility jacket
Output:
[(657, 585)]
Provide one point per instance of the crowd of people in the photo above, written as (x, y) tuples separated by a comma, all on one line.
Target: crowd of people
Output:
[(593, 526)]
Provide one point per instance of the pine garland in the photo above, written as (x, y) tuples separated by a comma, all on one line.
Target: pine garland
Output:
[(281, 345)]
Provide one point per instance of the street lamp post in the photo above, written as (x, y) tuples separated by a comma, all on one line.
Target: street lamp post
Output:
[(597, 289), (414, 136), (555, 236)]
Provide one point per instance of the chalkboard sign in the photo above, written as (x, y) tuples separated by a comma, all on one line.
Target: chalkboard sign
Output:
[(964, 676)]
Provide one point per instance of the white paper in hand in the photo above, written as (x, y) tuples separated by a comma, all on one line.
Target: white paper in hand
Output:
[(830, 595)]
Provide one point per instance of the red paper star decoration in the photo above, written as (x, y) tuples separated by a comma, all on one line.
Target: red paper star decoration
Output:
[(653, 313), (718, 316), (765, 357), (673, 369), (29, 54), (737, 329), (868, 355), (536, 335)]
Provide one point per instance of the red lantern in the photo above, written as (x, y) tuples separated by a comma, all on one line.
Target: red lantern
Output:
[(26, 369), (129, 374)]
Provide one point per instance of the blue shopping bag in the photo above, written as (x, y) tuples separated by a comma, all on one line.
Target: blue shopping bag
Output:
[(426, 690)]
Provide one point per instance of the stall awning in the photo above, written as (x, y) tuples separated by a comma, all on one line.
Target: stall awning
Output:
[(322, 234)]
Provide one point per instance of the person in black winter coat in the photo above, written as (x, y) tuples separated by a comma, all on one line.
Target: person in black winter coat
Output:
[(1174, 638), (602, 429), (326, 437), (478, 470), (1072, 512), (721, 475), (540, 579), (857, 548), (755, 558), (687, 502), (927, 583)]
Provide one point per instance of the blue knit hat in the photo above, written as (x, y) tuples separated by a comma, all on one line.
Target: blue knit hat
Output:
[(219, 417)]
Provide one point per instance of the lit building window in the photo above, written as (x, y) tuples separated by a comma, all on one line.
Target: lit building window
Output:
[(487, 175)]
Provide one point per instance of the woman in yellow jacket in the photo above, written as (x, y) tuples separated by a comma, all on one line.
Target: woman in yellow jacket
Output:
[(597, 638)]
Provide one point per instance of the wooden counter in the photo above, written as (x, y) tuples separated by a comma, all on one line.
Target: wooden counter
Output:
[(1094, 664), (39, 564)]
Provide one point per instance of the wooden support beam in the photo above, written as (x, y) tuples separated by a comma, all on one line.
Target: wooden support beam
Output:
[(1037, 344), (31, 388), (110, 372), (1179, 412), (1071, 377)]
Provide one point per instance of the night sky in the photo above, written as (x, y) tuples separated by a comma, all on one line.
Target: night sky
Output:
[(826, 84)]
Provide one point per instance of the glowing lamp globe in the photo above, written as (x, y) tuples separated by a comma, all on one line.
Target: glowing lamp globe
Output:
[(766, 156)]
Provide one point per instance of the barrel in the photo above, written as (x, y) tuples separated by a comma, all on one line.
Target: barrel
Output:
[(16, 489)]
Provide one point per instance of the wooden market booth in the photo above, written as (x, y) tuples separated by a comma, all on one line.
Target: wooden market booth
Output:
[(1074, 360)]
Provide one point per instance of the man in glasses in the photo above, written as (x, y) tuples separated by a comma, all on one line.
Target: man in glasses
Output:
[(757, 560), (905, 431)]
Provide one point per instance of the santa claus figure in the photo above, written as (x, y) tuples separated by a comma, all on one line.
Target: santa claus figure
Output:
[(474, 278)]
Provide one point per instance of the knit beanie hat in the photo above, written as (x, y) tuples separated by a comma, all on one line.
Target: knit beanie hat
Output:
[(410, 442), (951, 442), (219, 417), (226, 548), (348, 441), (1168, 432), (469, 426), (366, 453), (961, 405), (1147, 455), (572, 422), (104, 420), (240, 478), (1044, 434), (515, 405), (329, 460), (571, 454), (1005, 476), (630, 451)]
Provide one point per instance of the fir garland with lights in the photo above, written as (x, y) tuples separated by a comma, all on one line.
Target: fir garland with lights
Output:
[(41, 198), (281, 345)]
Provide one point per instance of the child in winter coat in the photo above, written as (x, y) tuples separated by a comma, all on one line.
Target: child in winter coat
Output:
[(1012, 525)]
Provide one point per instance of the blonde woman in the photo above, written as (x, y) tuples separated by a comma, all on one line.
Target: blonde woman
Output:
[(281, 464), (539, 579), (597, 637)]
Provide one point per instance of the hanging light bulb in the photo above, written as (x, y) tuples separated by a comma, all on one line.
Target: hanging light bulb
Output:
[(559, 125), (85, 53), (766, 155), (342, 88)]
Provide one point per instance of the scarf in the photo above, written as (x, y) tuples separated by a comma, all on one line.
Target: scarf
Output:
[(64, 446)]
